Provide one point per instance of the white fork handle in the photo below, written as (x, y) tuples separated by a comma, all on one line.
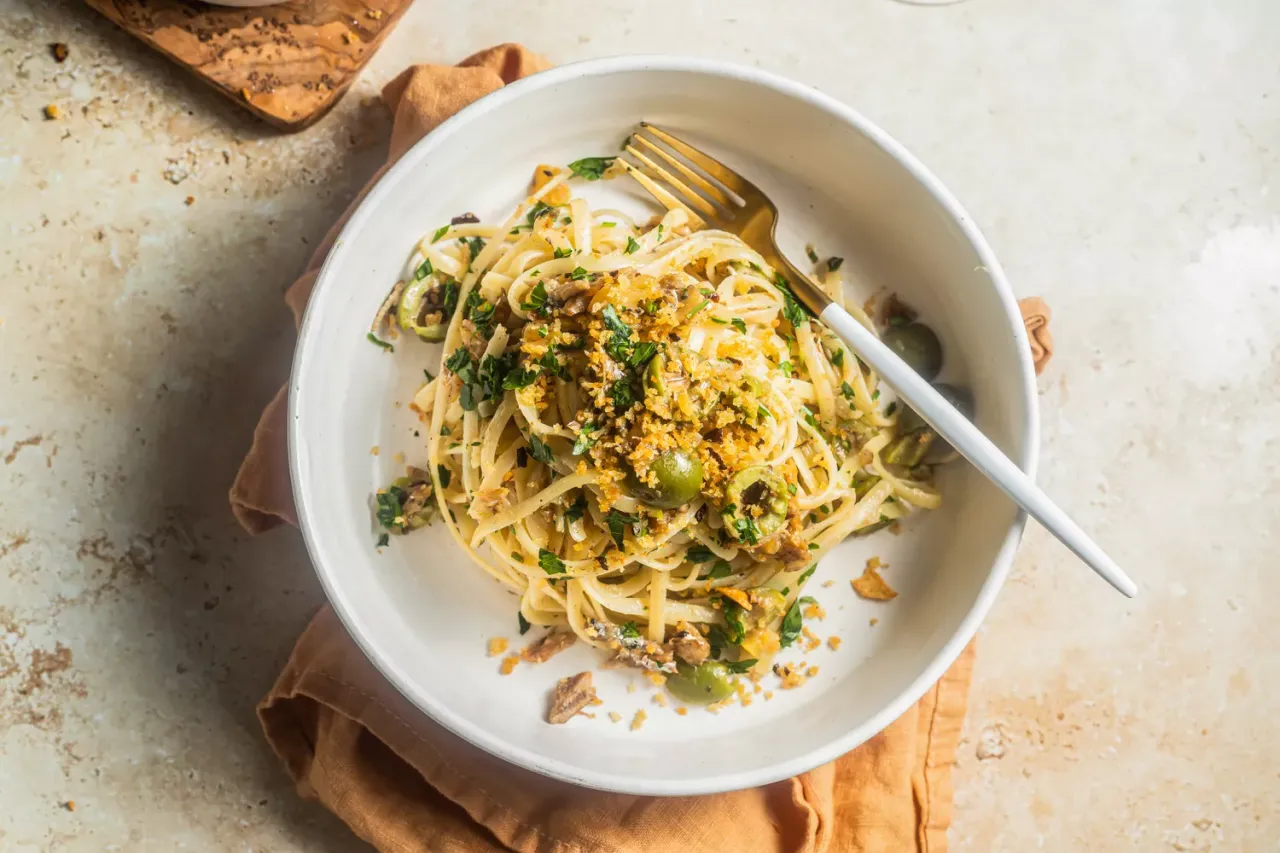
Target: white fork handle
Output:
[(973, 445)]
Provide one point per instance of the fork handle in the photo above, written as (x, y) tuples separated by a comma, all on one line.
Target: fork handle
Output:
[(973, 445)]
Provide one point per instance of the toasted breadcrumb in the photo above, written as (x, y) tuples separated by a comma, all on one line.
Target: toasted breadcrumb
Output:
[(811, 640), (660, 699), (834, 643), (815, 611), (497, 645), (811, 672), (791, 676), (656, 677), (638, 720), (615, 717), (375, 450), (509, 664), (52, 112), (828, 583), (682, 710), (768, 694), (631, 688), (398, 458), (871, 586), (874, 622)]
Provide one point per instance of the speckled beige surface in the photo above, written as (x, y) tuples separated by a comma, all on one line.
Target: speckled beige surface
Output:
[(1118, 154)]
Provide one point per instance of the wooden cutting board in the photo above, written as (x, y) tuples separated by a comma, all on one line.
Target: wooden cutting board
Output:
[(288, 63)]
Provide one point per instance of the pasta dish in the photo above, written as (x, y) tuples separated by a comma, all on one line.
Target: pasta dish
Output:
[(640, 431)]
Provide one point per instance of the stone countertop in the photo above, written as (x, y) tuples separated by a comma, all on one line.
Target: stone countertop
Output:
[(1117, 154)]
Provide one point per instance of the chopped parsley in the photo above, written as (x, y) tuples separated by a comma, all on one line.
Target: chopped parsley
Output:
[(739, 666), (699, 554), (552, 365), (519, 378), (617, 523), (793, 621), (747, 530), (721, 569), (813, 256), (424, 269), (539, 450), (644, 351), (786, 368), (585, 439), (523, 623), (562, 253), (698, 308), (383, 541), (807, 572), (578, 274), (440, 232), (622, 395), (837, 358), (846, 390), (739, 324), (833, 263), (591, 168), (629, 629), (577, 509), (445, 476), (537, 301), (632, 246), (536, 211), (549, 562), (390, 504), (374, 339), (891, 408)]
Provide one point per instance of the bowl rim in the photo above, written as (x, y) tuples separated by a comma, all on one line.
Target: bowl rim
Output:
[(513, 753)]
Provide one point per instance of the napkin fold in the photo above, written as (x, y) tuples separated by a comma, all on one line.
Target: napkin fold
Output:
[(404, 784)]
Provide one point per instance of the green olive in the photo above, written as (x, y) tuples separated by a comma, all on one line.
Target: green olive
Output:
[(758, 486), (417, 507), (703, 684), (679, 476), (909, 450), (918, 346), (654, 380), (909, 422), (412, 302), (767, 606)]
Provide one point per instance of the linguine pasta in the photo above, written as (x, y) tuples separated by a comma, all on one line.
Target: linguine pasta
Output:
[(639, 430)]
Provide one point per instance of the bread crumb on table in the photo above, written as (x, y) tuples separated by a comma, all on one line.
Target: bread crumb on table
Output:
[(509, 664), (51, 112)]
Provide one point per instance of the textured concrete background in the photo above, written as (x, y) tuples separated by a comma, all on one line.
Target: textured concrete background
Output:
[(1118, 155)]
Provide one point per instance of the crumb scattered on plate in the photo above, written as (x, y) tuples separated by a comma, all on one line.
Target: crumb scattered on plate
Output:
[(871, 586), (497, 645)]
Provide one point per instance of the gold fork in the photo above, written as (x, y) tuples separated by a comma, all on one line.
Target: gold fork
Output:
[(713, 194)]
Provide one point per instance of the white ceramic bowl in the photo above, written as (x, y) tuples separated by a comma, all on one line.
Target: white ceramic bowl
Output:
[(423, 613)]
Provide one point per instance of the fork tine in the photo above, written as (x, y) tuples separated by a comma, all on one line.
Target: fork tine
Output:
[(689, 196), (667, 199), (700, 182), (714, 168)]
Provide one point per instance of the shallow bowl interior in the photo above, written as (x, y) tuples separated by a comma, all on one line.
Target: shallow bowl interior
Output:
[(423, 613)]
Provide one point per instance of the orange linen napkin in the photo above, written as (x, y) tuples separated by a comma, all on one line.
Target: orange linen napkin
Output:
[(404, 784)]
